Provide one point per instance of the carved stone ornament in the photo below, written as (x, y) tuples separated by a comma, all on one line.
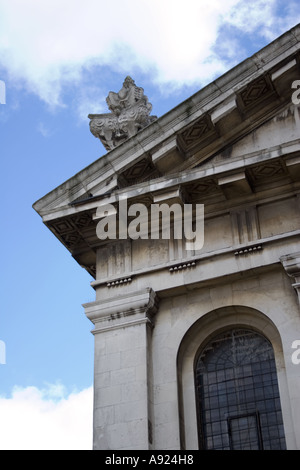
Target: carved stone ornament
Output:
[(291, 264), (130, 112)]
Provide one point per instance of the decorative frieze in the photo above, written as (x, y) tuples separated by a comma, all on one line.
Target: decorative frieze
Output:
[(119, 282), (182, 266), (198, 134), (256, 92), (248, 250), (143, 170), (267, 172)]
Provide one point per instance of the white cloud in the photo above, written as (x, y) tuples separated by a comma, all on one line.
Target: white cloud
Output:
[(48, 44), (252, 15), (90, 100), (44, 130), (47, 419), (264, 16)]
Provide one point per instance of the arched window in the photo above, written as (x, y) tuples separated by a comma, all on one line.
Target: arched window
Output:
[(237, 393)]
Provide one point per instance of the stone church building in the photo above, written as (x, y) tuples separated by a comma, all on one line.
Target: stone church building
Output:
[(196, 346)]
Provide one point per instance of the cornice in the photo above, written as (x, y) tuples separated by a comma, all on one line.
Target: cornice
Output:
[(216, 172), (193, 130), (253, 248)]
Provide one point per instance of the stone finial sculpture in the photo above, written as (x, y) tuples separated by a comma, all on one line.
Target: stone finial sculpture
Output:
[(130, 112)]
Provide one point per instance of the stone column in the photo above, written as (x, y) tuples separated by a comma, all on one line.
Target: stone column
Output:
[(122, 370), (291, 264)]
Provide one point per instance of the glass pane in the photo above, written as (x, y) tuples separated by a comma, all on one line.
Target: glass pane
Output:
[(237, 393), (244, 433)]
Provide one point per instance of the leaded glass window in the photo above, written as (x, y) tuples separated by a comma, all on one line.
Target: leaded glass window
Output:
[(237, 393)]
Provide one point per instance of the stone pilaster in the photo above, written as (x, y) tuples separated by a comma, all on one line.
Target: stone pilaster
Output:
[(122, 370), (291, 264)]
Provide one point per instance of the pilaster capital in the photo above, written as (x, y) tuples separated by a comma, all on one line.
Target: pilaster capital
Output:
[(291, 264), (130, 309)]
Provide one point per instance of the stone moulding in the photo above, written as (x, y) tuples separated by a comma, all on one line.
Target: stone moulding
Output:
[(114, 312), (182, 266), (248, 250), (119, 282)]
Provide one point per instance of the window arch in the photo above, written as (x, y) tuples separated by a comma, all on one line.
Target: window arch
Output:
[(237, 393)]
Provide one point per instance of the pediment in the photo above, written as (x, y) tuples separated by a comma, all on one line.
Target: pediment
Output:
[(222, 142), (202, 128)]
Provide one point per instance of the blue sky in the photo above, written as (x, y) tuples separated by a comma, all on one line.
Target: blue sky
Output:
[(59, 60)]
